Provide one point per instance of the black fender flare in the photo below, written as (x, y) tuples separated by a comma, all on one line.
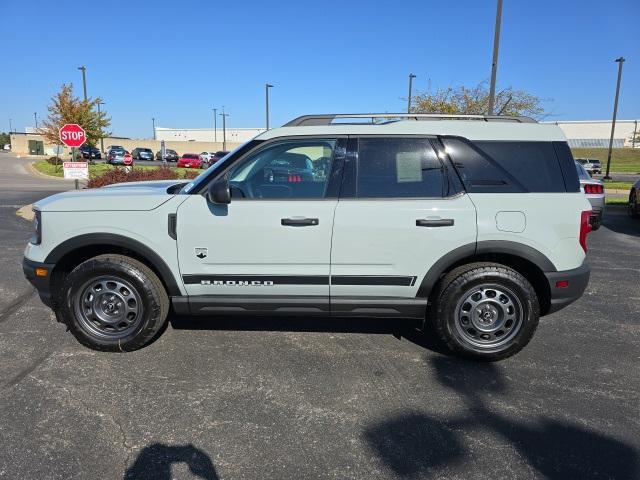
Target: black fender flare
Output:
[(111, 239), (514, 249)]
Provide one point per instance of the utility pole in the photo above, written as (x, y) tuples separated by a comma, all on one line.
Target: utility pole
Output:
[(411, 77), (10, 127), (494, 63), (633, 139), (266, 94), (153, 122), (101, 139), (619, 61), (35, 116), (84, 81), (215, 125), (224, 129)]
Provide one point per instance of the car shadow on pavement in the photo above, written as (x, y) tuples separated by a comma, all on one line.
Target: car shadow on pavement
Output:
[(415, 444), (400, 328), (154, 462), (617, 220)]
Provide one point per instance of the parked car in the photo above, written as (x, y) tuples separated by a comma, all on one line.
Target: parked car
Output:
[(206, 157), (594, 190), (169, 155), (140, 153), (476, 228), (634, 201), (116, 156), (290, 167), (219, 155), (591, 165), (113, 147), (7, 146), (190, 160), (89, 152)]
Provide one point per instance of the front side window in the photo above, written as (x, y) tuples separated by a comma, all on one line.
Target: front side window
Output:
[(398, 168), (296, 169)]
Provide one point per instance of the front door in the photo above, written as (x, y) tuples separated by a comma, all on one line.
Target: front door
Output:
[(400, 211), (274, 238)]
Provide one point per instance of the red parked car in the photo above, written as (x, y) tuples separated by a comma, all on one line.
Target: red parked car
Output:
[(190, 160)]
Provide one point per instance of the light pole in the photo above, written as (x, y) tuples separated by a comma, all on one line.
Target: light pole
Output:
[(35, 116), (266, 98), (153, 122), (494, 63), (10, 127), (411, 77), (84, 81), (619, 61), (224, 129), (101, 139), (215, 125)]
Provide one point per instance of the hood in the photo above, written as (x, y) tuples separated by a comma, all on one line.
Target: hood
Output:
[(133, 196)]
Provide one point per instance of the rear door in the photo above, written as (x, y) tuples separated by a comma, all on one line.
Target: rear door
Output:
[(274, 238), (400, 210)]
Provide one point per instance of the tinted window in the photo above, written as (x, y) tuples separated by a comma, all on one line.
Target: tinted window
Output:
[(190, 155), (582, 173), (565, 158), (399, 168), (533, 164), (285, 170), (479, 173)]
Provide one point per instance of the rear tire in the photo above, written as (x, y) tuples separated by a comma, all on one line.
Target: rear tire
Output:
[(113, 303), (485, 311)]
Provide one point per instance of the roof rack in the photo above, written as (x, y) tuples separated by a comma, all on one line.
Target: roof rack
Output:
[(328, 119)]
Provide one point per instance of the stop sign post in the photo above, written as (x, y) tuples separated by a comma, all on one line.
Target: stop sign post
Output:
[(72, 135)]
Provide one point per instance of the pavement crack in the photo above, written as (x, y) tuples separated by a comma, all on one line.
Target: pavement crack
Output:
[(21, 375), (15, 305)]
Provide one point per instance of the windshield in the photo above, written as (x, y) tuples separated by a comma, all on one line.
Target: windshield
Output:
[(201, 179), (582, 173)]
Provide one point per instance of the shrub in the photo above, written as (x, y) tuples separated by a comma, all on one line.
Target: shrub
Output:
[(191, 174), (54, 161), (119, 175)]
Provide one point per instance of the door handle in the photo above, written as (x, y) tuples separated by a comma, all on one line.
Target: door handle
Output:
[(299, 222), (440, 222)]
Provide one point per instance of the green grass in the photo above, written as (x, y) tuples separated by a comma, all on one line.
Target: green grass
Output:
[(96, 170), (617, 185), (623, 160), (616, 200)]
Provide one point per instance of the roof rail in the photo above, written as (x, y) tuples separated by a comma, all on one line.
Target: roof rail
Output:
[(328, 119)]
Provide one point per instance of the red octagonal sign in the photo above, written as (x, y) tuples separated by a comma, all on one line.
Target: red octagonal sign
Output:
[(72, 135)]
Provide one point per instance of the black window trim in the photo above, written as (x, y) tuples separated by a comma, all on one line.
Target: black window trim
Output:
[(336, 165), (351, 170)]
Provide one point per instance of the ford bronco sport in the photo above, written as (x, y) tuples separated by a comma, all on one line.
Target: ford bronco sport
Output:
[(473, 225)]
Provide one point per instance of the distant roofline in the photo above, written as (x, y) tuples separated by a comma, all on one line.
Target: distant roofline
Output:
[(590, 121), (210, 129)]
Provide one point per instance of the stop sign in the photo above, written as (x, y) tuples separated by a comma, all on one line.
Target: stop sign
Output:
[(127, 159), (72, 135)]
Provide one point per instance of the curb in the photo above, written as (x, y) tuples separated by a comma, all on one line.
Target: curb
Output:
[(33, 171)]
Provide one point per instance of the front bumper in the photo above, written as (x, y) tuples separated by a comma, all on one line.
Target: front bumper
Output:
[(42, 284), (577, 281)]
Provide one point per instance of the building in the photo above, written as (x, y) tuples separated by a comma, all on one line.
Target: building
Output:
[(596, 133), (233, 135)]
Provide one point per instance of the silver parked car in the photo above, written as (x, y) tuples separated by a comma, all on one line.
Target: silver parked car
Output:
[(594, 190), (591, 165)]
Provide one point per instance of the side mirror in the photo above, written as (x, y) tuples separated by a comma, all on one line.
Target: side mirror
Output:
[(218, 191)]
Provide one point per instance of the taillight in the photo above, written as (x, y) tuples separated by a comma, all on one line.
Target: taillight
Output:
[(593, 189), (585, 228)]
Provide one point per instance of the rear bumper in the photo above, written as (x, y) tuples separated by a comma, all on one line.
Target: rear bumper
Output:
[(42, 284), (577, 279)]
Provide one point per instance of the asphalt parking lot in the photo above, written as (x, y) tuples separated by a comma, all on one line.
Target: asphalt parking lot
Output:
[(305, 398)]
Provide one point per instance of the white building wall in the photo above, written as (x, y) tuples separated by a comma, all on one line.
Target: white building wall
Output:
[(234, 135), (596, 133)]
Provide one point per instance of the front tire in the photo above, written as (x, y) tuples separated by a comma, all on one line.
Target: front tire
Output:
[(632, 208), (113, 303), (485, 311)]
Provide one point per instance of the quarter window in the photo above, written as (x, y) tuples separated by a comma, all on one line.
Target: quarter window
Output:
[(398, 168), (286, 170)]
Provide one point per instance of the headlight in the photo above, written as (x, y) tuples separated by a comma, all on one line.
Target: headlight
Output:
[(37, 225)]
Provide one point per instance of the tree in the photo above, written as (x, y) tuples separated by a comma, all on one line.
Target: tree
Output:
[(4, 139), (475, 100), (65, 108)]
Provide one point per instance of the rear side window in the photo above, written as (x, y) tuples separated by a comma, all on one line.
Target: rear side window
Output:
[(479, 172), (565, 159), (398, 168), (533, 164)]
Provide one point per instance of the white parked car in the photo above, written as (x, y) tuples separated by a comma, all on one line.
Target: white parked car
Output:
[(454, 221), (594, 190)]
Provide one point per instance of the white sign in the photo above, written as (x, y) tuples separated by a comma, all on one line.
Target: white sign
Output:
[(73, 170)]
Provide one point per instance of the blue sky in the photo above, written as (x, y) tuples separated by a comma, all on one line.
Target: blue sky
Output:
[(175, 61)]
